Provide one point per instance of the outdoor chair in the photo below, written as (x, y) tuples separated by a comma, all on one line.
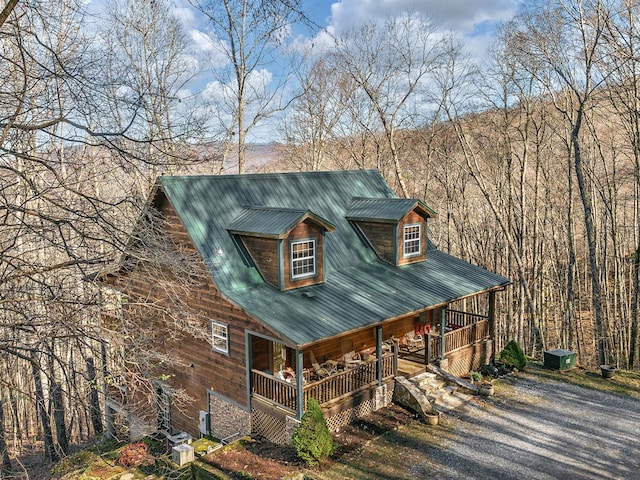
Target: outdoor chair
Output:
[(351, 359), (413, 341), (323, 370)]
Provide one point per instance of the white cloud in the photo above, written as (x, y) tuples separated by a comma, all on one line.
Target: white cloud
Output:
[(463, 16), (210, 51)]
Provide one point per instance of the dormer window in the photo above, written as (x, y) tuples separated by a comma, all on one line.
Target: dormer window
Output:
[(303, 259), (411, 240), (395, 228), (286, 245)]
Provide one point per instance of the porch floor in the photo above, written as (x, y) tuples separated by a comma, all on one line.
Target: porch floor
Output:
[(409, 367)]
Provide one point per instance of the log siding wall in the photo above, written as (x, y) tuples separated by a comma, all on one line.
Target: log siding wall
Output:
[(196, 367), (264, 252), (386, 239)]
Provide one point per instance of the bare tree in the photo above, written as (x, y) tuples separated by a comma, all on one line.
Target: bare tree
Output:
[(390, 62), (250, 35), (566, 40), (314, 114), (66, 203), (623, 66), (149, 74)]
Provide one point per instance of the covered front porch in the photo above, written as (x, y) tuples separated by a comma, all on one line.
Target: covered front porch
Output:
[(351, 374)]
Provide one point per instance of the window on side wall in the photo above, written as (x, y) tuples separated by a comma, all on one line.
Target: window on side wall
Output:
[(219, 337), (411, 240), (303, 259)]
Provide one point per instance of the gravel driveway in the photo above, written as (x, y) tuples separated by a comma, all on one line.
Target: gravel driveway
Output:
[(544, 430)]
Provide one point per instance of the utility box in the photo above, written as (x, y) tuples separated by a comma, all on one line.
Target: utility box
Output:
[(204, 421), (559, 359), (182, 454)]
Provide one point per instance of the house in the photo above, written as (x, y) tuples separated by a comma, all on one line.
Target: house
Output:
[(316, 285)]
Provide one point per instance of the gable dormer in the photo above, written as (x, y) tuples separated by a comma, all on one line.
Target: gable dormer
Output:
[(396, 228), (285, 245)]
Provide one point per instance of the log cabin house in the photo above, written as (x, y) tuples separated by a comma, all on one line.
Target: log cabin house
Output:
[(317, 285)]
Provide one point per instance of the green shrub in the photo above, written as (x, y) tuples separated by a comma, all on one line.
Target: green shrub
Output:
[(512, 356), (312, 439)]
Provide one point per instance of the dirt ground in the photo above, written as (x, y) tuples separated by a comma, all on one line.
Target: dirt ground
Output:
[(261, 459)]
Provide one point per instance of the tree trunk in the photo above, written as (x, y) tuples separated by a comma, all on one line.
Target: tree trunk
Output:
[(5, 464), (94, 401), (585, 196), (633, 348), (57, 404), (43, 414)]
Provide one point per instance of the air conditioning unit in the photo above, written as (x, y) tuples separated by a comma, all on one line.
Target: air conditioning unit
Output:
[(204, 419), (182, 454), (559, 359)]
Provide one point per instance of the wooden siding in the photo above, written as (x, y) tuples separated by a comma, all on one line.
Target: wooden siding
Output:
[(410, 219), (264, 252), (196, 366), (381, 236), (304, 230), (387, 238), (365, 339)]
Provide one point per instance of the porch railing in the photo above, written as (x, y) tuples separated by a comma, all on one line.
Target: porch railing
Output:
[(462, 319), (274, 389), (348, 381), (458, 338), (326, 389)]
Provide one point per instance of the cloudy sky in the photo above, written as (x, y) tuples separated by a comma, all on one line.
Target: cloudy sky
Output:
[(475, 20)]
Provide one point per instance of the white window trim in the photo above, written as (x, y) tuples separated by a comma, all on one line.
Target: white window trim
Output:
[(412, 240), (224, 338), (306, 274)]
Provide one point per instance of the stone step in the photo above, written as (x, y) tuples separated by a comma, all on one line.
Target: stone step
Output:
[(446, 396), (449, 403), (435, 388)]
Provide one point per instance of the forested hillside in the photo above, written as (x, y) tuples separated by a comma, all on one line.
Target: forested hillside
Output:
[(531, 159)]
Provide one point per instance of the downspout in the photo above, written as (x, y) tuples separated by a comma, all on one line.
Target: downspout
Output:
[(299, 385)]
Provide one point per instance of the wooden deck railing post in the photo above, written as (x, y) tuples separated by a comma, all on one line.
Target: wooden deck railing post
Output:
[(492, 323), (300, 405), (443, 313), (379, 354)]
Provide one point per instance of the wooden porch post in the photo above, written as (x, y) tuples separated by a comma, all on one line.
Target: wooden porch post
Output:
[(379, 354), (443, 321), (248, 345), (492, 322), (299, 385), (427, 348)]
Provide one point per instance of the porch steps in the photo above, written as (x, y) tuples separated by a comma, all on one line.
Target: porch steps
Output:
[(444, 396)]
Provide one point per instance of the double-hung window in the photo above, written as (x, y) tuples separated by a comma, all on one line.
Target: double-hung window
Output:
[(411, 240), (303, 258), (219, 337)]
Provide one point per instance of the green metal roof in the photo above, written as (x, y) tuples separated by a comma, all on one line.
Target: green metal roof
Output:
[(359, 290), (273, 222), (385, 209)]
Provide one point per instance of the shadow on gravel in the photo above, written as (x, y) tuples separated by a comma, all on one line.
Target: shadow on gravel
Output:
[(550, 430)]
